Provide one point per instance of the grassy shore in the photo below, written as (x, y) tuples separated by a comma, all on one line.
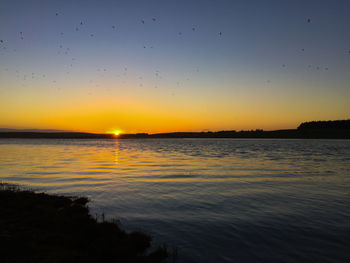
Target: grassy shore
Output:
[(38, 227)]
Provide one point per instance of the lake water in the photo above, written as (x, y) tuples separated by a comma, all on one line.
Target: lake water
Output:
[(216, 200)]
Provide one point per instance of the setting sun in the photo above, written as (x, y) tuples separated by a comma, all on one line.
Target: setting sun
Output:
[(188, 121)]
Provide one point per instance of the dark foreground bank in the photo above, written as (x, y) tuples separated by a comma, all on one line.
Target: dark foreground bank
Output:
[(37, 227)]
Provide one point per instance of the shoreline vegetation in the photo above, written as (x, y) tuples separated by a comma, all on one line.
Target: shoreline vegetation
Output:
[(339, 129), (38, 227)]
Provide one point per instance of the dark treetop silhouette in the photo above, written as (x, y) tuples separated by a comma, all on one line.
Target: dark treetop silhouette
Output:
[(339, 129)]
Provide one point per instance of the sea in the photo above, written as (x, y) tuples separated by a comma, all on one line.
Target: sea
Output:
[(207, 200)]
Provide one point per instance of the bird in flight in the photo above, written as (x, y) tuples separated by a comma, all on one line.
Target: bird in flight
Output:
[(309, 20)]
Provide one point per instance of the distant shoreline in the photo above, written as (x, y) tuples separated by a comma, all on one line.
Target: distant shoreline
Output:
[(339, 129), (277, 134)]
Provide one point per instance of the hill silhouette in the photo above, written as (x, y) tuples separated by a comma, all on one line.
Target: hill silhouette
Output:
[(338, 129)]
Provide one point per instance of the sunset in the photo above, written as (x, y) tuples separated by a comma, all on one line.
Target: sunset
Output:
[(175, 131), (163, 66)]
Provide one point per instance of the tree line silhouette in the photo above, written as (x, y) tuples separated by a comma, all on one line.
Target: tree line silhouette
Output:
[(339, 124), (339, 129)]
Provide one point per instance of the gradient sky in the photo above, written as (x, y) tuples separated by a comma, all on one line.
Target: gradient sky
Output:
[(269, 67)]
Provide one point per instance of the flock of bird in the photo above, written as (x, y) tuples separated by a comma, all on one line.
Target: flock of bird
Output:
[(66, 51)]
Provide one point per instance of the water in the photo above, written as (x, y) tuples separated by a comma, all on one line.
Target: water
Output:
[(216, 200)]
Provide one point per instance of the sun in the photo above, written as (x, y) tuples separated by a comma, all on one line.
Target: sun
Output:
[(115, 132)]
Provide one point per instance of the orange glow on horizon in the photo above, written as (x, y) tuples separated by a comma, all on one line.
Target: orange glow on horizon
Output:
[(157, 112), (146, 78)]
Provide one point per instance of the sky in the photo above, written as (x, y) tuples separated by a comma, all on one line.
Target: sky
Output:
[(166, 65)]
